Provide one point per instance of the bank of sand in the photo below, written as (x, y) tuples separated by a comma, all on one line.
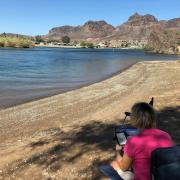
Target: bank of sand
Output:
[(68, 136)]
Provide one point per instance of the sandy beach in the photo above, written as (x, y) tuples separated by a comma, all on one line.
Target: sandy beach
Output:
[(67, 136)]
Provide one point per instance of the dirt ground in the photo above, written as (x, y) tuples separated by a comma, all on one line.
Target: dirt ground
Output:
[(68, 136)]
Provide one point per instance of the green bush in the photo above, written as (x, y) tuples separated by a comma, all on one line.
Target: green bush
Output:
[(90, 45), (85, 44), (39, 39), (66, 39), (25, 43), (1, 44), (15, 42), (148, 48)]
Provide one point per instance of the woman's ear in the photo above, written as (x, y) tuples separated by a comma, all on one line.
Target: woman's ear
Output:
[(133, 122)]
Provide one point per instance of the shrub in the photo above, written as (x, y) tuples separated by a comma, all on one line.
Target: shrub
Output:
[(25, 43), (15, 42), (11, 44), (1, 44), (39, 39), (84, 44), (90, 45), (66, 39)]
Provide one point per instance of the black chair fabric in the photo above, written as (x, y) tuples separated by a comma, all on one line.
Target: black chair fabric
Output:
[(165, 163)]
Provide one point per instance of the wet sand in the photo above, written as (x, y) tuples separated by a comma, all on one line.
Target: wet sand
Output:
[(67, 136)]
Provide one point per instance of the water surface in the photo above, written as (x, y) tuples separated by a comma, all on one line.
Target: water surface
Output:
[(29, 74)]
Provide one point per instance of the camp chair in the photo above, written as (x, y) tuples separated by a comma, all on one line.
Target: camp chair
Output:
[(165, 163)]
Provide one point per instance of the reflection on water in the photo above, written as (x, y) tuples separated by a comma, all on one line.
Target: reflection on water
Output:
[(27, 74)]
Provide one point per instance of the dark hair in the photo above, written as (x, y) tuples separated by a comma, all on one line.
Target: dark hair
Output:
[(143, 115)]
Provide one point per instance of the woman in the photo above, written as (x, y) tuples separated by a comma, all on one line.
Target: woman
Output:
[(137, 150)]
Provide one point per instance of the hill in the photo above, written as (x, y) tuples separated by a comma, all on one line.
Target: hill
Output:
[(139, 31), (137, 27), (91, 29)]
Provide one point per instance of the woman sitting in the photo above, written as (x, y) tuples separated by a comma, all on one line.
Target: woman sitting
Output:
[(137, 150)]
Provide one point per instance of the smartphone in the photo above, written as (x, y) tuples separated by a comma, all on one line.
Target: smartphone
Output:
[(121, 138)]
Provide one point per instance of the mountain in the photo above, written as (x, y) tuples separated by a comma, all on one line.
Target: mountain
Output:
[(164, 41), (16, 35), (138, 20), (173, 23), (136, 28), (90, 30), (137, 31)]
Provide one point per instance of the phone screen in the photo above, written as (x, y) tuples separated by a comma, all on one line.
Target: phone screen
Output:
[(121, 138)]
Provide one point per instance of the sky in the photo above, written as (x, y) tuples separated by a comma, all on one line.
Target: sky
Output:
[(37, 17)]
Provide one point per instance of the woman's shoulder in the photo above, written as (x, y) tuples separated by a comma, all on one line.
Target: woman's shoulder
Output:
[(149, 135), (152, 132), (159, 131), (156, 133)]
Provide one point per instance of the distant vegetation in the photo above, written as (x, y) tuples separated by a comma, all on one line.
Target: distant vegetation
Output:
[(66, 39), (15, 42), (85, 44), (39, 39)]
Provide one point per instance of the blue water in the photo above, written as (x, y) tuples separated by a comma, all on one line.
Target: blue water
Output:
[(28, 74)]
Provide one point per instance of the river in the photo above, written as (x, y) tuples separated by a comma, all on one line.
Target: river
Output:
[(30, 74)]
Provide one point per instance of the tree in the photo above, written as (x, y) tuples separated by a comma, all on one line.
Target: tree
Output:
[(83, 44), (90, 45), (4, 34), (39, 39), (65, 39)]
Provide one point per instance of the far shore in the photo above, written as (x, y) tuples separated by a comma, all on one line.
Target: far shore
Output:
[(135, 48), (76, 47), (56, 46), (70, 134)]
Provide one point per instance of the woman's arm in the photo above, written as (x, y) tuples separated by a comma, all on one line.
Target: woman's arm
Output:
[(125, 163), (122, 162)]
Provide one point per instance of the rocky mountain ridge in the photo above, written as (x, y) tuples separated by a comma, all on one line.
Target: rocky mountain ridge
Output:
[(91, 29), (137, 27), (139, 31), (138, 20)]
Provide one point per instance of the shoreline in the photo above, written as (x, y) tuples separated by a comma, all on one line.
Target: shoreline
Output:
[(122, 84), (130, 48), (80, 47), (57, 92)]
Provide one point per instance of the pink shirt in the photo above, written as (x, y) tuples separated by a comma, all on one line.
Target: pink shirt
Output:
[(139, 148)]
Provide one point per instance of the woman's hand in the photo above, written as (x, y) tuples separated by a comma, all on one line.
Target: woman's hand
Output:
[(118, 147), (119, 152), (115, 165), (122, 162)]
